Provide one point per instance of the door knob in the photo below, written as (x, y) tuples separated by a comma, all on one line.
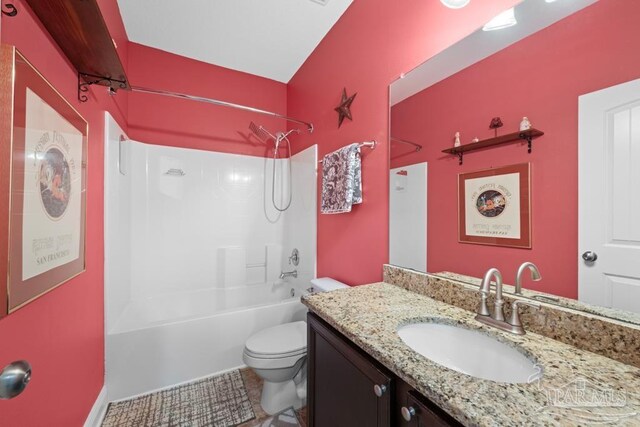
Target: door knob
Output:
[(14, 379), (407, 413), (379, 389), (590, 256)]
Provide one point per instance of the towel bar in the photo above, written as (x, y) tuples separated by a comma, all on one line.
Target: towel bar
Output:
[(370, 144)]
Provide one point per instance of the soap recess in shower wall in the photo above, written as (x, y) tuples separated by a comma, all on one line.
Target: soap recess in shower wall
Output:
[(169, 168), (175, 172)]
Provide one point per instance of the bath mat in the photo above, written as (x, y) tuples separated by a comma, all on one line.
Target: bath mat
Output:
[(219, 401)]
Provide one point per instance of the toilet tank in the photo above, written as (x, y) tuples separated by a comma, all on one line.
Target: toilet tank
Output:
[(326, 284)]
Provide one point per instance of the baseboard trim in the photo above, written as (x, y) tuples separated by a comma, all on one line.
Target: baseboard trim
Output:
[(99, 410)]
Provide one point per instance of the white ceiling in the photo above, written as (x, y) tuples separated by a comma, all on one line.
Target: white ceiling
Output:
[(268, 38)]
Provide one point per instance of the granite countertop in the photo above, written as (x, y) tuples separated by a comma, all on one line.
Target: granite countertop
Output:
[(370, 315)]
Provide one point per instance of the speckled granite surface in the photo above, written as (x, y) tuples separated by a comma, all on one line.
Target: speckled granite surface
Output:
[(370, 316), (610, 313), (610, 338)]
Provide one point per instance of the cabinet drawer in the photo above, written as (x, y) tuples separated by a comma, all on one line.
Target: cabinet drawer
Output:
[(423, 413)]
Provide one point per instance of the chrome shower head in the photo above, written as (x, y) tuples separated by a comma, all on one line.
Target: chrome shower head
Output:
[(261, 133)]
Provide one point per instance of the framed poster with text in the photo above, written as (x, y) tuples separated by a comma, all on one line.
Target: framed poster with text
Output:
[(494, 206), (43, 175)]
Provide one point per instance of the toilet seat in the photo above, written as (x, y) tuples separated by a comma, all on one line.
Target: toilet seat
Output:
[(278, 347), (298, 353), (273, 362), (279, 340)]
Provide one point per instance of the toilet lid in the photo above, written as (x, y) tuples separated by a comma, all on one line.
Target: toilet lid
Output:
[(281, 339)]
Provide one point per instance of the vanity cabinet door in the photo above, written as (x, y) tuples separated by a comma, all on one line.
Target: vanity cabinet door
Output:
[(346, 388), (417, 411)]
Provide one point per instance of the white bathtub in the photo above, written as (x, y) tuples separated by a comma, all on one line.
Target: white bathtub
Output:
[(174, 338)]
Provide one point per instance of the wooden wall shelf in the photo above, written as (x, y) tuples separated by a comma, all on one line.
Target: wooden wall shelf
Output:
[(79, 29), (527, 135)]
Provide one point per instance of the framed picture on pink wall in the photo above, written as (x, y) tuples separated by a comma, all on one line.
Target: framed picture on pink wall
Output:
[(494, 206), (43, 171)]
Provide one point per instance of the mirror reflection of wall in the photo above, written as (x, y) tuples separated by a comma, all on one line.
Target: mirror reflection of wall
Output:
[(541, 77), (408, 216)]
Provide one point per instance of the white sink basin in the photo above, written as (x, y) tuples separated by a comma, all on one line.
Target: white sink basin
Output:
[(470, 352)]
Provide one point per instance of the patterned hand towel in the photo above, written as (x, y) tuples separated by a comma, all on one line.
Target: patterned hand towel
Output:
[(341, 180)]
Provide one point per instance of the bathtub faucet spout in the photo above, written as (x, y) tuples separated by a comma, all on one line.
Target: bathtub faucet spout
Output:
[(284, 274)]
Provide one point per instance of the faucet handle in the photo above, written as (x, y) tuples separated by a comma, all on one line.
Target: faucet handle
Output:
[(483, 309), (515, 315), (295, 257)]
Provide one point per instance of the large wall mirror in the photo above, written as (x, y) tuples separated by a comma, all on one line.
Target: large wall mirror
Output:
[(560, 188)]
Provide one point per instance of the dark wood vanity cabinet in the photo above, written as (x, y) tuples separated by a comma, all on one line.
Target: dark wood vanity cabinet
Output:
[(345, 388), (348, 388)]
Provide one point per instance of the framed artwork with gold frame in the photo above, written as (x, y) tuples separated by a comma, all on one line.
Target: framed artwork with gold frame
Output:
[(43, 173), (494, 206)]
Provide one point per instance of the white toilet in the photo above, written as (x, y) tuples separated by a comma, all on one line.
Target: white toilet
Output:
[(279, 354)]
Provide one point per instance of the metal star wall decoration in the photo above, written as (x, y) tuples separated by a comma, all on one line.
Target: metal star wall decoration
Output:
[(344, 109)]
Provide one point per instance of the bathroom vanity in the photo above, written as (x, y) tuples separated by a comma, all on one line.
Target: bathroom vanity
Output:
[(361, 372), (350, 388)]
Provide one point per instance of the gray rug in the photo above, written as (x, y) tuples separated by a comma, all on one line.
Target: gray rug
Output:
[(219, 401)]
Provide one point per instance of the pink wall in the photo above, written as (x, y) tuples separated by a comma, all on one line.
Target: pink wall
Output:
[(61, 333), (540, 77), (370, 46), (176, 122)]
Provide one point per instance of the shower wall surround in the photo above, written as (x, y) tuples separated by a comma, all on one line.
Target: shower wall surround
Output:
[(197, 247)]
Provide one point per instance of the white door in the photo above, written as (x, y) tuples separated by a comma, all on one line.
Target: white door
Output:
[(408, 217), (609, 197)]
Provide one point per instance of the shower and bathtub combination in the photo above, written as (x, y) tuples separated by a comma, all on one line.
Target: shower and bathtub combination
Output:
[(196, 244)]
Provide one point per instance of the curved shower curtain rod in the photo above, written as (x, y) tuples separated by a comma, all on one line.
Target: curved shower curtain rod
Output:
[(220, 103), (404, 141)]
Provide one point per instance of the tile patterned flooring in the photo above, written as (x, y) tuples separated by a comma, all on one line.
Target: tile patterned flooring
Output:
[(253, 384)]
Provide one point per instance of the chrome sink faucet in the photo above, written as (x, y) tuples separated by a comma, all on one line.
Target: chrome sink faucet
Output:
[(485, 288), (514, 325), (284, 274), (535, 275)]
